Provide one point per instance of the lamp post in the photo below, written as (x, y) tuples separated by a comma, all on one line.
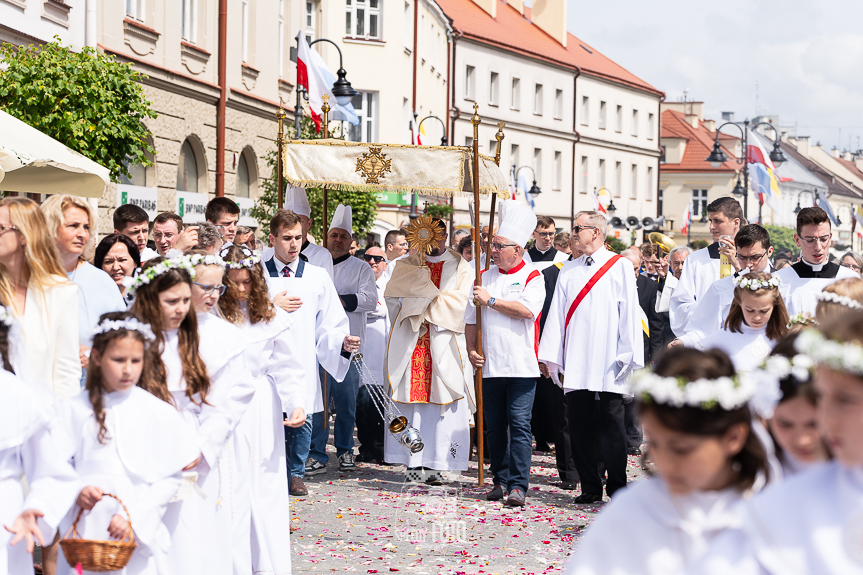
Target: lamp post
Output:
[(443, 126), (534, 190), (342, 89), (717, 157), (813, 193)]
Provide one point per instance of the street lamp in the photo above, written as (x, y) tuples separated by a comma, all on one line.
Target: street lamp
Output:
[(611, 207), (534, 190), (718, 157), (443, 138), (341, 88), (814, 195)]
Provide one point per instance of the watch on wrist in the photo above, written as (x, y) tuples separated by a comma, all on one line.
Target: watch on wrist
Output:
[(491, 301)]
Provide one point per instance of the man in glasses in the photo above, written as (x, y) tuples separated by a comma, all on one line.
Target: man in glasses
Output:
[(593, 334), (702, 267), (803, 280), (543, 253), (170, 234), (753, 255)]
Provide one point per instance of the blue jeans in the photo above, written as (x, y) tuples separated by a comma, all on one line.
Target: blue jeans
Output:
[(507, 406), (345, 395), (297, 444)]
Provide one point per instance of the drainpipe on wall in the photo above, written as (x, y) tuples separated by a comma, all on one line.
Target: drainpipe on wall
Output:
[(658, 162), (577, 139), (223, 98)]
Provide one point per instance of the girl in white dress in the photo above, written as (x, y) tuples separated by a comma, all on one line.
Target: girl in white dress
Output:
[(279, 388), (756, 320), (838, 298), (196, 375), (812, 522), (26, 449), (126, 442), (698, 425)]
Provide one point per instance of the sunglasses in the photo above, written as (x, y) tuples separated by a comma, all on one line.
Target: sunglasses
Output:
[(377, 259), (577, 229)]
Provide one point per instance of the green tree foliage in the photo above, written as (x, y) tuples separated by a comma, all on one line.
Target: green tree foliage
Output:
[(781, 237), (439, 210), (615, 244), (363, 204), (86, 100)]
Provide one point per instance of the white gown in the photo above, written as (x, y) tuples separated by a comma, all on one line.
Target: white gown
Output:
[(747, 350), (801, 283), (699, 273), (27, 450), (647, 530), (147, 445)]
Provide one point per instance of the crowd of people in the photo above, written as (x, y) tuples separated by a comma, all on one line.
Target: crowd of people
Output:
[(169, 377)]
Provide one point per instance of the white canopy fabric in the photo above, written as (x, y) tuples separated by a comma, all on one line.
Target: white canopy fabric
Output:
[(430, 170), (34, 163)]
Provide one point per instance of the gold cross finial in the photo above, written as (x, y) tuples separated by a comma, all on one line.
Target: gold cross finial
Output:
[(475, 119)]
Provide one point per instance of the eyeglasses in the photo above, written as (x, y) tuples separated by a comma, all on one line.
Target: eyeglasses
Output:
[(545, 234), (377, 259), (210, 288), (166, 237), (499, 247), (810, 241), (6, 227), (752, 259), (854, 267), (577, 229)]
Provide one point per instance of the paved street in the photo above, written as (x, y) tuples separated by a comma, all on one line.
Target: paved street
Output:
[(371, 521)]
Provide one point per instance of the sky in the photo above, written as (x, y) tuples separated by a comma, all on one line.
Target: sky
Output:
[(805, 57)]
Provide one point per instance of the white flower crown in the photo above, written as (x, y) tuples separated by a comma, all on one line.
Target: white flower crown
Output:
[(756, 284), (802, 318), (841, 356), (252, 259), (207, 260), (727, 393), (840, 299), (129, 324), (151, 273), (799, 367), (6, 318)]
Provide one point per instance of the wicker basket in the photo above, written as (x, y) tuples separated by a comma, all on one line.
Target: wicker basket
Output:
[(98, 556)]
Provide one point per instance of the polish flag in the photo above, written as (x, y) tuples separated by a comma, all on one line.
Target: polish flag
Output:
[(311, 77), (686, 220), (597, 205), (415, 131)]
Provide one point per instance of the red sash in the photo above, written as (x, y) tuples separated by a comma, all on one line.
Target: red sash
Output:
[(586, 289)]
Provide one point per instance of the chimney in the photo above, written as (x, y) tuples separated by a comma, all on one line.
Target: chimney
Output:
[(858, 161), (489, 6), (550, 16), (847, 156), (517, 4), (802, 145), (835, 153), (710, 125)]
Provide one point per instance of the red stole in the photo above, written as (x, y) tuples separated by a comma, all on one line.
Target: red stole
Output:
[(421, 360)]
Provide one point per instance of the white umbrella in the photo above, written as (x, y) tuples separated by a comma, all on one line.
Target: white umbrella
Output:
[(34, 163)]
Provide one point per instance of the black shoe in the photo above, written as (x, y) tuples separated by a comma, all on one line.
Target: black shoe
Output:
[(543, 447), (586, 498), (364, 458), (495, 494), (634, 451), (346, 461), (568, 485), (515, 498)]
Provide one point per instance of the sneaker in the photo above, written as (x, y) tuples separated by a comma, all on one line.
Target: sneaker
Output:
[(314, 467), (515, 498), (495, 494), (346, 461), (298, 488)]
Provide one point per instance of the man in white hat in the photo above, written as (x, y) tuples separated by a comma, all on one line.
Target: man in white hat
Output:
[(297, 201), (511, 298), (593, 333), (426, 360), (355, 284)]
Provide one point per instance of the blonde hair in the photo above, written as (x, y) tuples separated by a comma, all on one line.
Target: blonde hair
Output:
[(41, 258), (828, 310), (54, 210)]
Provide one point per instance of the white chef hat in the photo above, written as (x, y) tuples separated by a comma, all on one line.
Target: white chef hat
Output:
[(517, 222), (342, 219), (297, 201)]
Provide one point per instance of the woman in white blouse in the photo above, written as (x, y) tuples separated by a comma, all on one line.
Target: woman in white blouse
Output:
[(34, 285)]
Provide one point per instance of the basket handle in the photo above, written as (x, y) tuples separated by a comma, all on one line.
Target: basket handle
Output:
[(129, 536)]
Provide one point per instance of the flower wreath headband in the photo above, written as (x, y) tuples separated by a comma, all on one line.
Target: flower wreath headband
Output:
[(207, 260), (151, 273), (251, 259), (6, 318), (843, 300), (841, 356), (129, 324), (756, 284), (727, 393)]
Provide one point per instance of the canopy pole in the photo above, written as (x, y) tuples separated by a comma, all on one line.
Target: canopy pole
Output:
[(280, 115), (477, 250), (325, 109), (499, 137)]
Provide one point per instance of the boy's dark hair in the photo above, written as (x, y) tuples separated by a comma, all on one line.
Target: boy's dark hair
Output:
[(729, 207), (811, 216), (129, 214), (750, 235), (218, 206)]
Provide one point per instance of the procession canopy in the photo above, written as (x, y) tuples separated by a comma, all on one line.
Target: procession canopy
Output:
[(394, 168)]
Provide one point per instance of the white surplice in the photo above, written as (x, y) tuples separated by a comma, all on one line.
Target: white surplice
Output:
[(280, 387), (540, 260), (355, 284), (802, 282), (663, 300), (699, 273), (141, 460), (810, 523), (604, 334), (709, 313), (747, 350), (27, 449), (649, 531)]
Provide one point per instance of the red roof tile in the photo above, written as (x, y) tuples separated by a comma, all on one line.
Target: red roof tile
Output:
[(851, 166), (518, 34), (699, 144)]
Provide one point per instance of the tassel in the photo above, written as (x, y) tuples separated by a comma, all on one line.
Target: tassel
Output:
[(79, 570), (188, 487)]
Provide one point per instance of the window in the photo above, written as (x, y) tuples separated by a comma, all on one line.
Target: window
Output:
[(618, 126), (662, 156), (635, 123), (537, 100), (558, 104), (650, 126), (309, 20), (699, 203), (513, 156), (492, 147), (602, 115), (660, 207), (138, 173), (601, 174), (421, 39), (468, 141), (469, 83), (408, 28), (135, 9), (366, 107), (362, 19), (618, 178), (648, 195), (585, 110), (633, 188), (584, 174), (558, 171), (537, 166), (243, 180), (493, 89), (245, 17), (187, 169), (189, 22), (515, 96)]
